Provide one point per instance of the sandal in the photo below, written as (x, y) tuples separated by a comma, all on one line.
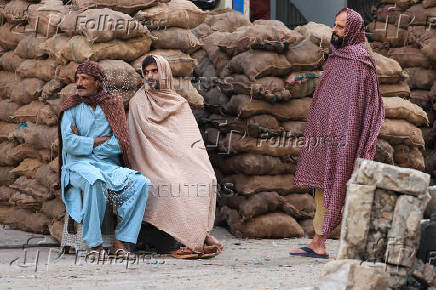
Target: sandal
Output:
[(185, 253)]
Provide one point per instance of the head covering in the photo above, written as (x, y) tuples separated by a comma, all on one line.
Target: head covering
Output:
[(162, 133), (343, 122), (111, 105)]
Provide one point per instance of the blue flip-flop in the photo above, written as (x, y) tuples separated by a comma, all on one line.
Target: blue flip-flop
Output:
[(310, 253)]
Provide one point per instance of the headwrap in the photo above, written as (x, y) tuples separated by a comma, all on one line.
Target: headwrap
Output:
[(347, 111), (112, 106)]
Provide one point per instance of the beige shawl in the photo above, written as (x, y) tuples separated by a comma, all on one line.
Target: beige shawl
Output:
[(167, 147)]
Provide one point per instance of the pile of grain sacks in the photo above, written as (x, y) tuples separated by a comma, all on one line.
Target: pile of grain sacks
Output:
[(255, 115), (405, 31), (41, 45)]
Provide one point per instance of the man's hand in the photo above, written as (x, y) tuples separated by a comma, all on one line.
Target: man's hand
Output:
[(74, 129), (100, 140)]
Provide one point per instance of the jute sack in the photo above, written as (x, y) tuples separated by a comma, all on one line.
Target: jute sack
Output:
[(5, 130), (409, 57), (427, 42), (51, 88), (294, 128), (218, 57), (182, 64), (66, 73), (102, 25), (15, 11), (303, 202), (27, 167), (5, 158), (420, 78), (185, 88), (202, 30), (256, 63), (302, 84), (56, 228), (271, 225), (78, 49), (178, 13), (401, 131), (46, 16), (42, 137), (5, 194), (33, 188), (401, 90), (120, 75), (10, 61), (421, 98), (6, 81), (35, 68), (409, 157), (419, 15), (215, 97), (428, 3), (24, 151), (125, 6), (26, 220), (389, 70), (24, 201), (7, 108), (282, 184), (11, 35), (384, 152), (25, 91), (305, 56), (228, 21), (54, 209), (6, 176), (319, 34), (176, 38), (264, 124), (35, 112), (307, 225), (255, 164), (398, 108), (30, 47), (243, 106), (46, 177), (391, 34)]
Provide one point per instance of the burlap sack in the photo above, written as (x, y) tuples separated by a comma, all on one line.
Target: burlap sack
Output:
[(415, 33), (384, 152), (182, 64), (419, 15), (302, 84), (6, 176), (294, 128), (56, 104), (120, 75), (409, 157), (271, 225), (10, 61), (35, 112), (15, 11), (202, 30), (5, 158), (427, 42), (401, 131), (244, 106), (380, 48), (46, 16), (428, 3), (256, 63), (54, 165), (420, 78), (24, 151), (125, 6), (307, 226), (305, 56), (421, 98), (42, 137), (261, 125), (178, 13), (34, 68), (6, 81), (5, 130), (33, 188), (184, 88), (319, 34), (202, 61), (46, 177), (102, 25), (401, 90), (254, 164), (56, 229), (30, 47), (7, 108), (78, 49), (215, 98), (227, 22), (27, 167), (5, 194), (28, 221), (265, 36), (391, 34), (302, 202), (218, 57), (66, 73), (25, 91), (176, 38), (282, 184), (24, 201), (51, 89), (398, 108), (389, 71), (11, 35), (409, 57)]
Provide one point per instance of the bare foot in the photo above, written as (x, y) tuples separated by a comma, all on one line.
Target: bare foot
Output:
[(212, 241)]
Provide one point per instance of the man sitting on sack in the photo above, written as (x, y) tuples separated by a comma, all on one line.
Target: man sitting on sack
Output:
[(162, 130), (93, 149)]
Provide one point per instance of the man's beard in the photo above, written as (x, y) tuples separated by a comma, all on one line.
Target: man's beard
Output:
[(337, 42), (154, 84)]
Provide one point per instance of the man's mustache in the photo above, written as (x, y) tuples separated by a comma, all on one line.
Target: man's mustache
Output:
[(81, 88)]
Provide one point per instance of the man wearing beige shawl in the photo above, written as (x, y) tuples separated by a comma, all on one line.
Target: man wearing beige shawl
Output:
[(162, 131)]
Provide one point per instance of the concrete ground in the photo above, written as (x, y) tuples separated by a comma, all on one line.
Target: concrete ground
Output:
[(244, 264)]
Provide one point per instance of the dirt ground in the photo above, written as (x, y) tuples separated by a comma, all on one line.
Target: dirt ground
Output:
[(244, 264)]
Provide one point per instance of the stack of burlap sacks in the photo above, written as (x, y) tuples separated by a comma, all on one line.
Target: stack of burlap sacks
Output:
[(255, 115), (405, 30), (41, 46)]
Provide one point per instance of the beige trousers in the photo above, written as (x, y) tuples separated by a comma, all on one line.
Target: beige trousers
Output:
[(320, 211)]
